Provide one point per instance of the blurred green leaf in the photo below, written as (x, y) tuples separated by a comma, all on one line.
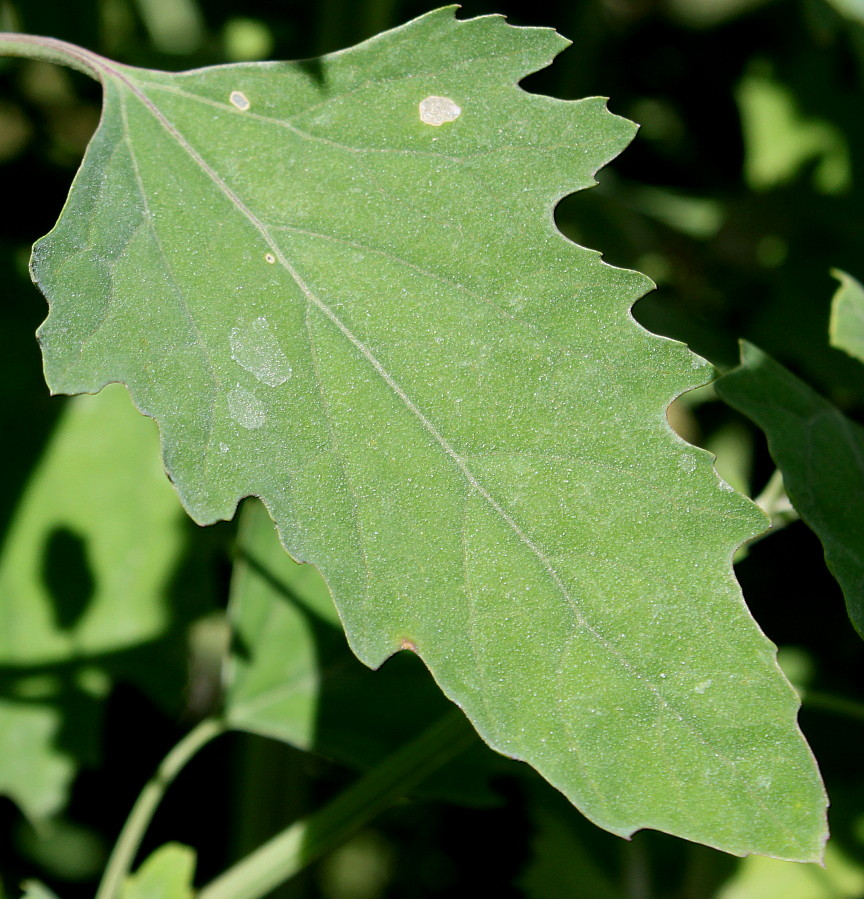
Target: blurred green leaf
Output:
[(84, 575), (39, 756), (767, 878), (246, 39), (709, 13), (375, 326), (62, 849), (821, 455), (852, 9), (847, 316), (780, 140), (175, 26), (166, 874), (33, 889)]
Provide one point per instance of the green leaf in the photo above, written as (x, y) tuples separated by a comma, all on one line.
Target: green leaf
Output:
[(166, 874), (39, 752), (819, 451), (84, 572), (847, 316), (842, 877), (337, 285)]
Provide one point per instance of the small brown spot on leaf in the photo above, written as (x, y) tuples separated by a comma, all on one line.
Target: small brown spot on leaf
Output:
[(269, 257), (410, 645)]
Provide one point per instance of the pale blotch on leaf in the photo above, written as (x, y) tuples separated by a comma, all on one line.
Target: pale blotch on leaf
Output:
[(240, 100), (245, 408), (438, 110), (254, 346), (269, 257)]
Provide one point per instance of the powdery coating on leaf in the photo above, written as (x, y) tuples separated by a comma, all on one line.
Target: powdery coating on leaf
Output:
[(240, 100), (245, 408), (254, 346), (438, 111)]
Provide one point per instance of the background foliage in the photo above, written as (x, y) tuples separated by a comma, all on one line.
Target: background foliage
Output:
[(738, 197)]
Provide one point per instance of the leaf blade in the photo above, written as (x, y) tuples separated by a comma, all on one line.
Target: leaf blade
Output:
[(476, 403)]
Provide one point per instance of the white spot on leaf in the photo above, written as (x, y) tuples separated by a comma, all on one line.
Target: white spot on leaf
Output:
[(254, 346), (438, 110), (269, 257), (245, 408), (240, 100)]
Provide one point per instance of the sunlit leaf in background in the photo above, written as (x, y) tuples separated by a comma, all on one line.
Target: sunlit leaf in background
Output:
[(35, 890), (166, 874), (780, 141), (85, 572)]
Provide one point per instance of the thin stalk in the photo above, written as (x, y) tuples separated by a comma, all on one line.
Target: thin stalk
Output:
[(49, 49), (305, 841), (126, 847)]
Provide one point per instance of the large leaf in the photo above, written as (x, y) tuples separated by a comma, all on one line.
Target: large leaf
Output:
[(337, 285), (821, 455)]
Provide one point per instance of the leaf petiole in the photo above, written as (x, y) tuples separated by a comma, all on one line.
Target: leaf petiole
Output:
[(50, 49)]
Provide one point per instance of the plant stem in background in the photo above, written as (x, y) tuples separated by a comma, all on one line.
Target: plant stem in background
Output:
[(307, 840), (126, 848)]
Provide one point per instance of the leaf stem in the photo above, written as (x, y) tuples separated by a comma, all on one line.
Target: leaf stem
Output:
[(307, 840), (49, 49), (126, 847)]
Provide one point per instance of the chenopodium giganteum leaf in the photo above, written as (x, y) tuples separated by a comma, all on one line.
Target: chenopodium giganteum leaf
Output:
[(337, 284)]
